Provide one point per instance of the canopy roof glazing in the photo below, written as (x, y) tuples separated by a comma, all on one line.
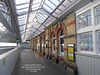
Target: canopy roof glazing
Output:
[(35, 15)]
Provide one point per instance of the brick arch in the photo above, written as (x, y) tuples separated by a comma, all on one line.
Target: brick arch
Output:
[(52, 31), (61, 26)]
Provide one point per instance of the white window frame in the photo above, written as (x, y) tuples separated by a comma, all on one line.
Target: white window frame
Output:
[(79, 41), (93, 28), (95, 14), (53, 38), (97, 41), (60, 43), (82, 19)]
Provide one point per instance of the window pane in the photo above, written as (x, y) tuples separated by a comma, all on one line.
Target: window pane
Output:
[(62, 41), (53, 42), (86, 42), (62, 33), (53, 35), (97, 17), (84, 20), (98, 41), (62, 47), (62, 44)]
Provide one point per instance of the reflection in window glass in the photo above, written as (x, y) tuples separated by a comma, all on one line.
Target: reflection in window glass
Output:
[(97, 15), (61, 41), (42, 47), (86, 42), (84, 20), (53, 42), (98, 41)]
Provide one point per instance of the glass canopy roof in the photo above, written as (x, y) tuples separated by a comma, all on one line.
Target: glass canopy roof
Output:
[(35, 15)]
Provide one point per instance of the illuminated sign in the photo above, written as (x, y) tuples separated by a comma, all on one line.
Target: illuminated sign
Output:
[(71, 52)]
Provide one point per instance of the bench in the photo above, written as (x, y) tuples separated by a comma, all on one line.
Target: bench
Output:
[(70, 66)]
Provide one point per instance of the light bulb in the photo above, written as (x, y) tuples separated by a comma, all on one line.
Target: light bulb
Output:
[(35, 19)]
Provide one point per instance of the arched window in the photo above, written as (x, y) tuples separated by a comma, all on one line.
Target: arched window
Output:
[(61, 42), (42, 44), (53, 42)]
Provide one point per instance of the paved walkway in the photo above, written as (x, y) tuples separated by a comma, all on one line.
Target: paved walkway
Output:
[(29, 63)]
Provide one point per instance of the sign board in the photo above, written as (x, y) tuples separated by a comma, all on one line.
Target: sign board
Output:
[(71, 52), (4, 61)]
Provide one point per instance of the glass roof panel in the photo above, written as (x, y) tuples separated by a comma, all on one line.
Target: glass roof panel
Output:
[(23, 10), (47, 8), (21, 1), (39, 12), (50, 4), (22, 23), (36, 1), (36, 5), (22, 16), (39, 18), (22, 6), (43, 12), (54, 14), (37, 32), (49, 20), (44, 17), (29, 25), (22, 20), (39, 21), (36, 25), (22, 27), (41, 28), (32, 29), (35, 8), (56, 2), (66, 3), (30, 20), (62, 7), (27, 29), (32, 14)]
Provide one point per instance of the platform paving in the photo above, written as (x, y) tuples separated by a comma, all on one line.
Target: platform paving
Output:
[(30, 63)]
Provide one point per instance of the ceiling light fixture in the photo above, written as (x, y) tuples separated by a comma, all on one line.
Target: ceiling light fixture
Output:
[(35, 19)]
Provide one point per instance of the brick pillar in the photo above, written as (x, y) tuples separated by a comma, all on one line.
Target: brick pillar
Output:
[(40, 44), (47, 42), (65, 48), (31, 44), (56, 48), (50, 48)]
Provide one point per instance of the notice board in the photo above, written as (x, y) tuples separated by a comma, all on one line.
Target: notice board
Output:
[(71, 52)]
